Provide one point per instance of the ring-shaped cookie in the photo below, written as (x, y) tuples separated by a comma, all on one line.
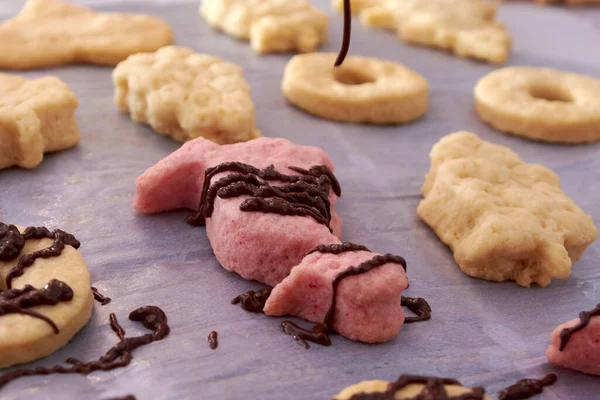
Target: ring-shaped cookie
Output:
[(361, 90), (541, 104)]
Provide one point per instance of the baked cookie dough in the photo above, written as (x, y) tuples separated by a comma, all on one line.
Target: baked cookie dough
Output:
[(361, 90), (36, 117), (541, 104), (270, 25), (465, 27), (49, 32), (409, 387), (185, 95), (504, 219), (60, 282)]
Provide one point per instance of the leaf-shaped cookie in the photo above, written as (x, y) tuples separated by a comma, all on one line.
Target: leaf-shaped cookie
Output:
[(49, 32)]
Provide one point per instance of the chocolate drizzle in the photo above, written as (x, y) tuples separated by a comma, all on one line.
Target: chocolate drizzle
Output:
[(153, 318), (253, 301), (417, 305), (322, 329), (213, 340), (433, 390), (128, 397), (337, 248), (100, 298), (526, 388), (11, 243), (584, 320), (347, 32), (302, 195), (18, 301)]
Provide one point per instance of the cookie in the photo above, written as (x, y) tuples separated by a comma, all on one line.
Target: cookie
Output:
[(36, 117), (504, 219), (48, 33), (45, 295), (411, 387), (366, 302), (186, 95), (541, 104), (465, 27), (576, 345), (271, 26), (265, 239), (361, 90)]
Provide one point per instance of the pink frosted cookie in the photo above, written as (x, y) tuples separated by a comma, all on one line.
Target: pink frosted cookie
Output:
[(365, 289), (260, 220), (576, 344)]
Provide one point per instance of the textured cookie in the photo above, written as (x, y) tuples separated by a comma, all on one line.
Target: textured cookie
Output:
[(270, 25), (36, 116), (541, 103), (465, 27), (411, 387), (185, 95), (60, 282), (49, 32), (503, 218), (366, 90)]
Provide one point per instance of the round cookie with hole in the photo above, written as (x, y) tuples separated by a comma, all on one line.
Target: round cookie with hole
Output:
[(541, 104), (361, 90)]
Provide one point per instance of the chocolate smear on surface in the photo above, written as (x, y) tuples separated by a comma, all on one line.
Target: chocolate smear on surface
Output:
[(434, 389), (418, 306), (18, 301), (100, 298), (526, 388), (151, 317), (584, 320), (306, 194), (347, 33), (253, 301), (337, 248), (213, 340), (322, 329)]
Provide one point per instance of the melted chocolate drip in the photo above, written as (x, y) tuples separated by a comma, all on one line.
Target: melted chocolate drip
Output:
[(61, 239), (11, 242), (213, 340), (584, 320), (319, 333), (337, 248), (305, 195), (526, 388), (99, 297), (18, 301), (253, 301), (433, 390), (128, 397), (153, 318), (417, 305), (347, 32)]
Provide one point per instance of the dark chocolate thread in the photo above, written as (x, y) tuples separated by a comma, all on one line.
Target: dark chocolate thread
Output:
[(17, 301), (253, 301), (584, 320), (319, 333), (213, 340), (337, 248), (526, 388), (151, 317), (347, 33), (418, 306), (100, 298), (306, 194), (433, 390), (127, 397)]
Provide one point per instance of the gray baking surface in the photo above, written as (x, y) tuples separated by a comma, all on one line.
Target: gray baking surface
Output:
[(483, 333)]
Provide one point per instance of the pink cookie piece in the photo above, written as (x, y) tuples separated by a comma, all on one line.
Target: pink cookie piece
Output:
[(367, 305), (258, 246), (582, 352)]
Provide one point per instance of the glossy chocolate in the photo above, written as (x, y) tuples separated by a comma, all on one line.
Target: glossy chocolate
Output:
[(347, 33), (213, 340), (100, 298), (337, 248), (253, 301), (418, 306), (584, 320), (526, 388)]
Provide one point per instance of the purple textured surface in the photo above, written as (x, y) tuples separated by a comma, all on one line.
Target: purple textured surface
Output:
[(483, 333)]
